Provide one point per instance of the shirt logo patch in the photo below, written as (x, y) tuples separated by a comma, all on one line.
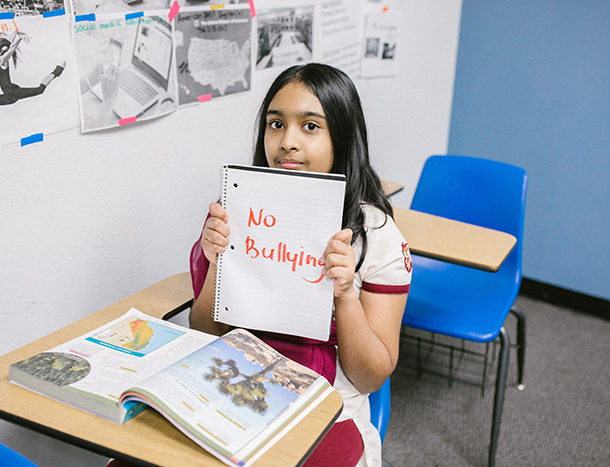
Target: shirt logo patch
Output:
[(407, 257)]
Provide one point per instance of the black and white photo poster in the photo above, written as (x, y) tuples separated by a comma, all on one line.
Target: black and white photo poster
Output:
[(213, 53), (285, 32), (37, 92), (30, 7), (126, 70)]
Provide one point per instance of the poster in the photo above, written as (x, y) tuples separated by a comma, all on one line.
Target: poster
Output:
[(126, 69), (80, 7), (213, 53), (208, 3), (381, 42), (341, 35), (285, 36), (37, 69), (29, 7)]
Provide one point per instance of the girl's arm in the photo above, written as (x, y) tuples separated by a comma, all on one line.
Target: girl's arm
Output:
[(368, 326), (214, 240), (15, 40)]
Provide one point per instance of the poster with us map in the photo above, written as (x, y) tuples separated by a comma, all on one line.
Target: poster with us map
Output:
[(213, 53)]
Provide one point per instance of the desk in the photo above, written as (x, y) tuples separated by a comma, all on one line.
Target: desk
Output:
[(449, 240), (149, 437), (453, 241)]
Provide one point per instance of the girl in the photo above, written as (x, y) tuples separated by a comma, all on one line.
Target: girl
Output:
[(9, 46), (311, 119)]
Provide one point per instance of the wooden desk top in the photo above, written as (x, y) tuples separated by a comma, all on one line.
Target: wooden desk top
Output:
[(148, 437), (390, 187), (452, 241), (449, 240)]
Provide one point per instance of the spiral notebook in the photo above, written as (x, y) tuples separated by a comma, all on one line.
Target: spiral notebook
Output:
[(270, 277)]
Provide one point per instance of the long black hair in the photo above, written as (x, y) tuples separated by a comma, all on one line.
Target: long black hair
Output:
[(343, 110)]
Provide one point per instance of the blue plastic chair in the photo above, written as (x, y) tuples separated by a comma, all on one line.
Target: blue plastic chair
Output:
[(459, 301), (11, 458), (380, 408)]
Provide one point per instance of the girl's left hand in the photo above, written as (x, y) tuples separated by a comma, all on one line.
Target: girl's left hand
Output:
[(340, 262)]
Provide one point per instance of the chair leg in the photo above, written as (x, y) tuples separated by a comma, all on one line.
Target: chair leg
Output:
[(520, 345), (484, 382), (499, 394)]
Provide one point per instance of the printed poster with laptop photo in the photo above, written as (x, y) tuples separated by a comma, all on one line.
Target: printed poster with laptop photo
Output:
[(126, 70), (80, 7)]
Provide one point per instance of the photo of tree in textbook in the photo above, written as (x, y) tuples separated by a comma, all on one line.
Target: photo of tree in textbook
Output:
[(269, 375)]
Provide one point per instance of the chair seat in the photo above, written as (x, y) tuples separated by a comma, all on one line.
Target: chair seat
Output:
[(459, 301)]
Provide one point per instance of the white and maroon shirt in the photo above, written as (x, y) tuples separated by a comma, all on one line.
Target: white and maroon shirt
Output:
[(386, 269)]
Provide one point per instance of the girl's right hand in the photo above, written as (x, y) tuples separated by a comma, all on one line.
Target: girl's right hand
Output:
[(215, 234)]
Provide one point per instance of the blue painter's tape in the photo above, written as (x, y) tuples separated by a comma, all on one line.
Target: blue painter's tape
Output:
[(89, 17), (48, 14), (7, 15), (137, 14), (35, 138)]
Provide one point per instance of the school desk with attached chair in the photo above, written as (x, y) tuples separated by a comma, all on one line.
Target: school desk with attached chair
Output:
[(149, 437), (454, 194)]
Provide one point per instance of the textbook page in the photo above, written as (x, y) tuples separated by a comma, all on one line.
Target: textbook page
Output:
[(271, 276), (92, 371), (233, 396)]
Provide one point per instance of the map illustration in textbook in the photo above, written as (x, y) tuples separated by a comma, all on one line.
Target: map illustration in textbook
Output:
[(137, 336)]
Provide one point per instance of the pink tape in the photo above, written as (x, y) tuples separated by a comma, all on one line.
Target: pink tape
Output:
[(205, 97), (252, 10), (173, 10), (126, 121)]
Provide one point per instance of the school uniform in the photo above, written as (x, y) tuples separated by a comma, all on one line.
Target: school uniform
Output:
[(386, 269)]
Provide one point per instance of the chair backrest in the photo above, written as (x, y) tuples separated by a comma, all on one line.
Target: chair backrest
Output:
[(477, 191)]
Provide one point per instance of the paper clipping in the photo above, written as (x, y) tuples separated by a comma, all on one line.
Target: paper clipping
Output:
[(36, 77), (213, 53), (80, 7), (30, 8), (381, 38), (285, 37), (126, 70), (341, 35)]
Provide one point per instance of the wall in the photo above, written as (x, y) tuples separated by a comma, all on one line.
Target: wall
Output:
[(89, 219), (532, 89)]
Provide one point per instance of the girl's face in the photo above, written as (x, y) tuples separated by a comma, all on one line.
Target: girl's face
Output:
[(296, 135)]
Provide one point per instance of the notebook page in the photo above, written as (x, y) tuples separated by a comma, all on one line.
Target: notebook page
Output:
[(270, 278)]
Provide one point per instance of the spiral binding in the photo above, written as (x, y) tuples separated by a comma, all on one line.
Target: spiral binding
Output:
[(224, 177)]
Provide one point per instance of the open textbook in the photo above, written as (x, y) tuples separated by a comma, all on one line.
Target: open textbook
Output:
[(233, 395), (271, 277)]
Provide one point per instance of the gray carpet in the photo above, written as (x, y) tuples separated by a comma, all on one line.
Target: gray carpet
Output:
[(559, 419)]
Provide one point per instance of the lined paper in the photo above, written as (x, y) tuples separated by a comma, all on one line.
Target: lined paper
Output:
[(270, 277)]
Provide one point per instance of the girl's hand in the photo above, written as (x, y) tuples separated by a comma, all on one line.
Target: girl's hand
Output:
[(24, 36), (214, 238), (340, 262)]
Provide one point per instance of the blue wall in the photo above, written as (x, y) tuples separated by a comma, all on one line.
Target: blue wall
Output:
[(532, 88)]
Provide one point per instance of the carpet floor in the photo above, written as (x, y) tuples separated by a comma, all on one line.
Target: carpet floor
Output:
[(560, 418)]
